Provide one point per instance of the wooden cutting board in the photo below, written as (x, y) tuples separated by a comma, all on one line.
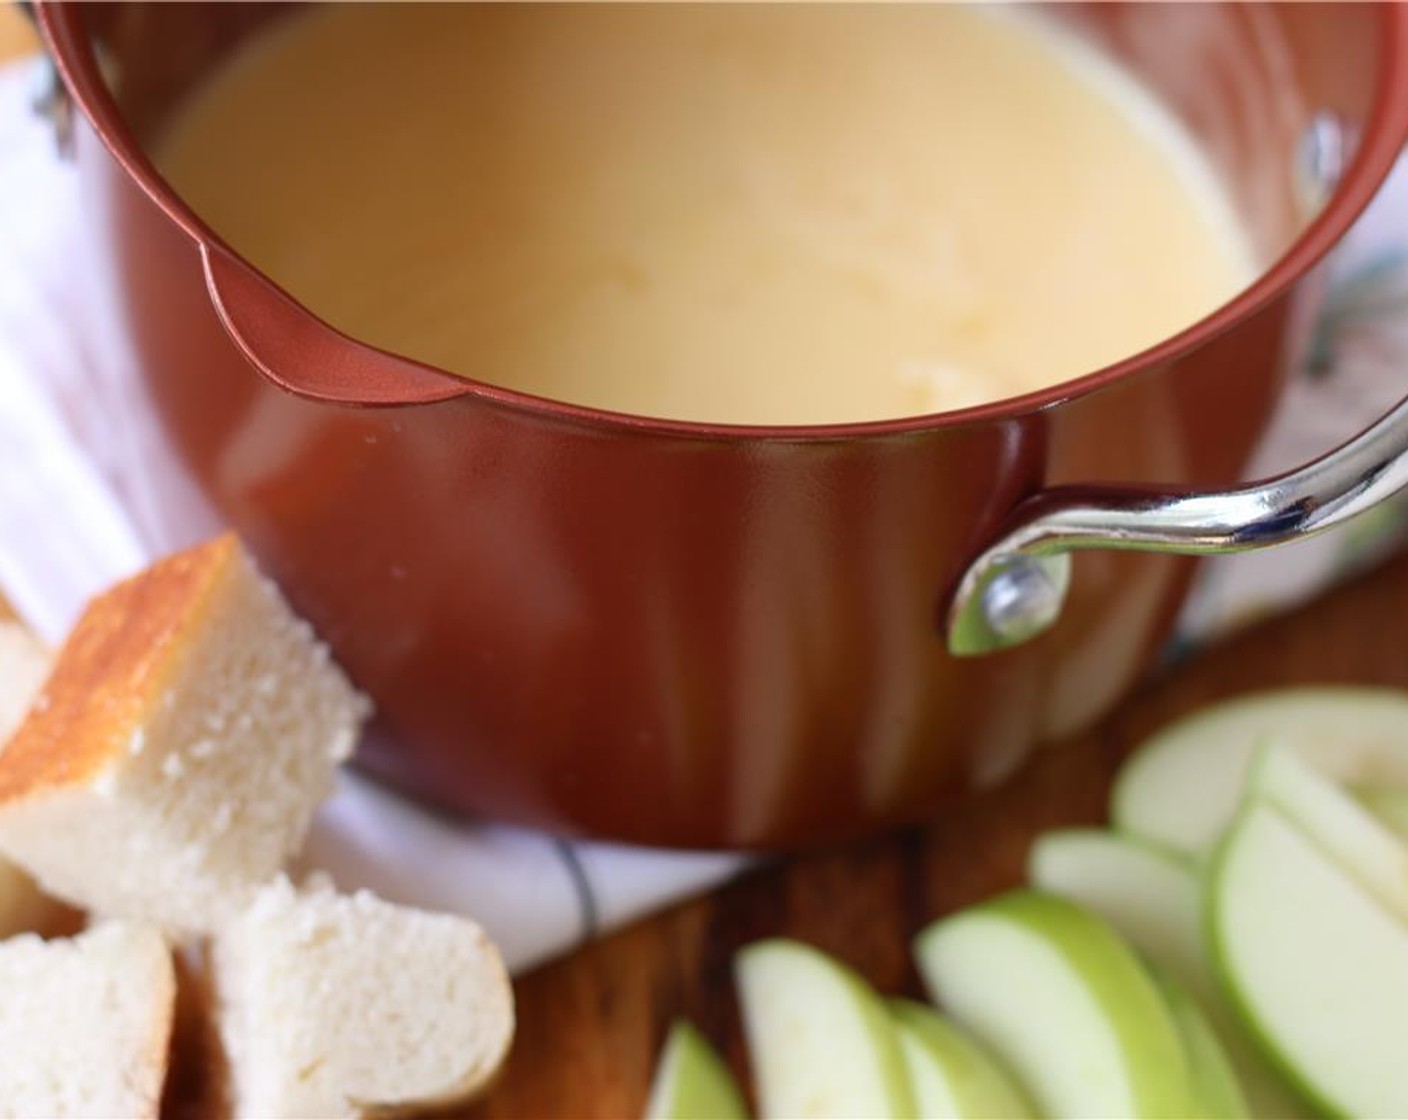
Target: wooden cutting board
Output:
[(589, 1026)]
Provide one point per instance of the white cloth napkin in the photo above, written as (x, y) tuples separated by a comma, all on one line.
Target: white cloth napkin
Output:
[(75, 514)]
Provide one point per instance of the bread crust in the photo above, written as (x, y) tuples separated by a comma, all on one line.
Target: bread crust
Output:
[(114, 666)]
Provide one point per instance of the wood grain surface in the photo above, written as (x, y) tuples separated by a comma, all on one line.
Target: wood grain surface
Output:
[(589, 1026)]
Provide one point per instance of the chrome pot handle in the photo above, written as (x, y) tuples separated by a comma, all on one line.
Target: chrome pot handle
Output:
[(1015, 589)]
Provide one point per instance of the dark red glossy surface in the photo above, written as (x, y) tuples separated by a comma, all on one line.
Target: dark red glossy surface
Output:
[(691, 634)]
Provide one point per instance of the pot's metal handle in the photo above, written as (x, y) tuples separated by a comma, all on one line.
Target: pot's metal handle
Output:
[(1015, 589)]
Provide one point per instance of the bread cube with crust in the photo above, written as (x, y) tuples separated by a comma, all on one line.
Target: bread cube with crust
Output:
[(173, 761)]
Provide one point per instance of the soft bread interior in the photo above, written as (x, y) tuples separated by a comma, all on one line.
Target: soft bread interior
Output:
[(337, 1005), (86, 1023)]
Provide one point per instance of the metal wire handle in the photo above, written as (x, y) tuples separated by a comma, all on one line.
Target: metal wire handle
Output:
[(1015, 589)]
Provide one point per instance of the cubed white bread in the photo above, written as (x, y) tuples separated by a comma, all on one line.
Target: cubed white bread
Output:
[(174, 759), (346, 1005), (24, 665), (85, 1023)]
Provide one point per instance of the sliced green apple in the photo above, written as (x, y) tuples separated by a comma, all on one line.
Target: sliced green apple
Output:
[(1389, 805), (822, 1042), (691, 1082), (1064, 1004), (1153, 899), (1210, 1070), (1183, 786), (1317, 966), (1150, 897), (1337, 823), (950, 1074)]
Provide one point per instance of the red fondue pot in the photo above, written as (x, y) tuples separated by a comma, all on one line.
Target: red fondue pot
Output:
[(698, 634)]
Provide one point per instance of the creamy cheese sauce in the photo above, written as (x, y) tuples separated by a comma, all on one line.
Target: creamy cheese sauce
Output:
[(765, 214)]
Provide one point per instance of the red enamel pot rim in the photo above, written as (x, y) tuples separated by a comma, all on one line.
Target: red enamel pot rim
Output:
[(1383, 138)]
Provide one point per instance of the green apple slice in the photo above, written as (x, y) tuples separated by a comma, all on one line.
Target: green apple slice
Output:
[(1338, 824), (951, 1075), (822, 1042), (1064, 1004), (1153, 899), (1210, 1070), (1318, 967), (1389, 805), (1183, 786), (1150, 897), (692, 1082)]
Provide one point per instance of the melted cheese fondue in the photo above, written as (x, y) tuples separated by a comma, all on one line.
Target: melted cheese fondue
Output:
[(761, 214)]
